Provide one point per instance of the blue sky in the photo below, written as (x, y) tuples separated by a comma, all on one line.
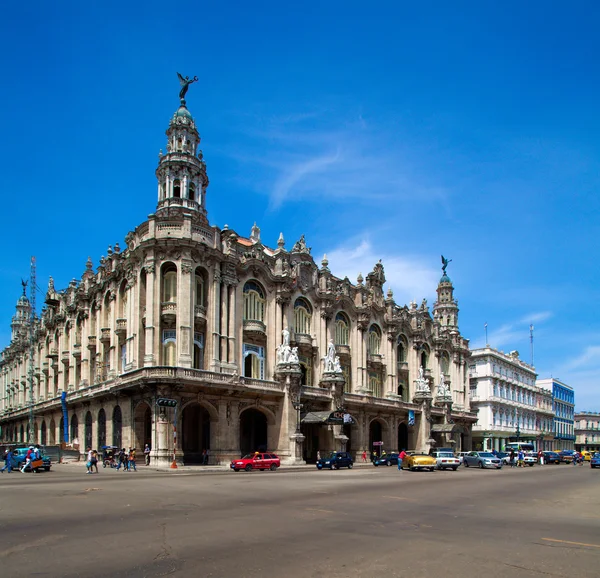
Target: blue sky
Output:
[(385, 131)]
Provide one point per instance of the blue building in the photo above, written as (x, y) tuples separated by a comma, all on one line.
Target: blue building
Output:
[(563, 398)]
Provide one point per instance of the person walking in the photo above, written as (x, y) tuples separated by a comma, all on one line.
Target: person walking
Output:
[(131, 458), (541, 457), (512, 458), (401, 457), (88, 461), (147, 454), (28, 458), (207, 457), (318, 455), (8, 456), (364, 456), (520, 459), (122, 459), (574, 462)]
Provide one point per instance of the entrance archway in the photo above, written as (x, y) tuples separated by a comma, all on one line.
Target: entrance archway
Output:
[(375, 435), (402, 437), (253, 431), (195, 433), (74, 429), (143, 426), (101, 429), (43, 434), (22, 434), (52, 433), (61, 431), (117, 427), (88, 430)]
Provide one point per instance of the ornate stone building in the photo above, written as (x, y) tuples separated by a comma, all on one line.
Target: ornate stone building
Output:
[(237, 332), (587, 431)]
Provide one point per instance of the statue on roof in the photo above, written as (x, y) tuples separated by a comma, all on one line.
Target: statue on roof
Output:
[(185, 84), (24, 283), (445, 264)]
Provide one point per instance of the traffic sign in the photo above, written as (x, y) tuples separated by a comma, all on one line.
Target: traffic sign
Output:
[(166, 402), (377, 443)]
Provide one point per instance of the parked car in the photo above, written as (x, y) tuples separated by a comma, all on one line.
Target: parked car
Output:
[(461, 456), (18, 459), (256, 461), (595, 461), (386, 460), (587, 456), (335, 461), (528, 459), (551, 457), (482, 460), (415, 461), (566, 456), (446, 460)]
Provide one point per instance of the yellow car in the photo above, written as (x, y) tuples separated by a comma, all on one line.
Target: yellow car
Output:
[(587, 456), (417, 461)]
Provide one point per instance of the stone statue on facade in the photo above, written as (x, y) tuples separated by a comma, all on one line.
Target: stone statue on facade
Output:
[(294, 356), (286, 336), (285, 353), (185, 84), (443, 391), (422, 384), (300, 246), (329, 359)]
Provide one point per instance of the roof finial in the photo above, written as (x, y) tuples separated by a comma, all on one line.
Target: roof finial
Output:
[(185, 84)]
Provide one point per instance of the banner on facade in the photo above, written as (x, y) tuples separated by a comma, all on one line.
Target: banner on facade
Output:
[(411, 417)]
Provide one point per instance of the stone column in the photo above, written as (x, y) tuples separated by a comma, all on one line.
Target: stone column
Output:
[(289, 374), (215, 363), (151, 282), (185, 313), (233, 352)]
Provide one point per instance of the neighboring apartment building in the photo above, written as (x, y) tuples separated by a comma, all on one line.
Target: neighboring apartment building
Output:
[(190, 311), (564, 412), (587, 431), (510, 407)]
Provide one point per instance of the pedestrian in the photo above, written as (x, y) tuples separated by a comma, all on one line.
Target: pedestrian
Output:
[(8, 456), (88, 461), (574, 462), (28, 458), (131, 458), (512, 458), (203, 458), (207, 457), (122, 460), (364, 456), (401, 457), (318, 455), (147, 454), (541, 457), (521, 459), (95, 460), (580, 459)]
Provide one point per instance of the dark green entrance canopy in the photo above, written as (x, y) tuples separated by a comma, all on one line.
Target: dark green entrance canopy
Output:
[(328, 418)]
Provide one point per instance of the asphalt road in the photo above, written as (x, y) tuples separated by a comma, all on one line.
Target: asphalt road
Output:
[(542, 521)]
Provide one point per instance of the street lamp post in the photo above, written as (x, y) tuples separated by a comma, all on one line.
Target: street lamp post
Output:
[(298, 407)]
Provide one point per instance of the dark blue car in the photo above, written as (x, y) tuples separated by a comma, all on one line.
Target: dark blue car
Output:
[(595, 461), (386, 460)]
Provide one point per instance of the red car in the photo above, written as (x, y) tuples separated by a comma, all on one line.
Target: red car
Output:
[(257, 461)]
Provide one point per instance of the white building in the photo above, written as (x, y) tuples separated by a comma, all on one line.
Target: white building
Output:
[(510, 406)]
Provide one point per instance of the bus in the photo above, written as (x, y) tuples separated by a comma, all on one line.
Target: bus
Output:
[(525, 446)]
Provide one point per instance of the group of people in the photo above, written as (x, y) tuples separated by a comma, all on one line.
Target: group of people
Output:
[(33, 454)]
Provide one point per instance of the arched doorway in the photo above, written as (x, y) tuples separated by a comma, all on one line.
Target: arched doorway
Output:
[(195, 433), (43, 434), (101, 429), (253, 431), (22, 434), (402, 437), (74, 429), (52, 433), (143, 426), (61, 431), (117, 427), (375, 435), (347, 431), (88, 430)]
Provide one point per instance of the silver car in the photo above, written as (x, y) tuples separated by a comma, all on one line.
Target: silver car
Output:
[(482, 460)]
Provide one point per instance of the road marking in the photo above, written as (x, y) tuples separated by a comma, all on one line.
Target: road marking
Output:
[(398, 498), (324, 511), (573, 543)]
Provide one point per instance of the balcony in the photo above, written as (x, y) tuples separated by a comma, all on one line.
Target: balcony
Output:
[(65, 357), (92, 342), (105, 335), (343, 350), (375, 359), (121, 329), (403, 366), (52, 354), (168, 311), (200, 312), (255, 328), (303, 339), (77, 352)]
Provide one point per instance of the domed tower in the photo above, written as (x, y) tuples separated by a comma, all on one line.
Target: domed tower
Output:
[(181, 173), (20, 320), (445, 309)]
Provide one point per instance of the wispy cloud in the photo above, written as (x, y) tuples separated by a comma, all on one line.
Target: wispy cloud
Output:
[(405, 275), (509, 334)]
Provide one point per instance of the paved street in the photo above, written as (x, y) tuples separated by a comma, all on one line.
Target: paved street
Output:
[(364, 522)]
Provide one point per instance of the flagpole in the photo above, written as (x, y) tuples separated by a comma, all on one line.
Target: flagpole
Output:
[(531, 342), (486, 339)]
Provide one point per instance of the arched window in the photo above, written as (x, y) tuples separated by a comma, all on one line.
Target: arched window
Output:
[(106, 312), (198, 350), (254, 302), (179, 145), (74, 429), (169, 347), (169, 284), (302, 316), (402, 349), (117, 427), (177, 188), (200, 296), (445, 362), (192, 192), (374, 345), (375, 384), (123, 301), (342, 329), (425, 358)]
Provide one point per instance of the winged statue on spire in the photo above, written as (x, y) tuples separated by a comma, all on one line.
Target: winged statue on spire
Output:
[(185, 84), (445, 264)]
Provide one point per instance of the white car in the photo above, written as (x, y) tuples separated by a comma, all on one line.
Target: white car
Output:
[(446, 460)]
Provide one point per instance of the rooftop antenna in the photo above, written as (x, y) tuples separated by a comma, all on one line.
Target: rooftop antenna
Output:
[(486, 339), (531, 342)]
